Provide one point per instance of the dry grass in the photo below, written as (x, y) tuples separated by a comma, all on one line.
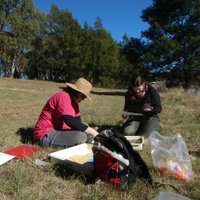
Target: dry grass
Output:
[(21, 104)]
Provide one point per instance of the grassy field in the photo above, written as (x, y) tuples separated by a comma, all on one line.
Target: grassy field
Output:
[(21, 104)]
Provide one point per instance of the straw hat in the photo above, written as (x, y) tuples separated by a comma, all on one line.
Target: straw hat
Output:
[(83, 86)]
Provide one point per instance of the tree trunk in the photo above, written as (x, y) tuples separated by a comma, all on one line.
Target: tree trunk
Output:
[(13, 68)]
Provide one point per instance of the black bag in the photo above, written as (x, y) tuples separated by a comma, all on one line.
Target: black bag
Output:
[(116, 162)]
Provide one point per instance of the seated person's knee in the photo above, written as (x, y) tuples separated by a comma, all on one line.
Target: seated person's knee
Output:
[(129, 131)]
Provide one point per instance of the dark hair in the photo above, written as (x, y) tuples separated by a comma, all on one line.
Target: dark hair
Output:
[(72, 93), (136, 81)]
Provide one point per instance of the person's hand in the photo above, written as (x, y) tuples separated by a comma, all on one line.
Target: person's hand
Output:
[(124, 116), (95, 128), (147, 108), (91, 131), (95, 133)]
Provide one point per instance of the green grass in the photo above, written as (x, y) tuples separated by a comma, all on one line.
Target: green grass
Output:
[(21, 104)]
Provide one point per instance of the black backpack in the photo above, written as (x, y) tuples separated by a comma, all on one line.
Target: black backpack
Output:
[(116, 162)]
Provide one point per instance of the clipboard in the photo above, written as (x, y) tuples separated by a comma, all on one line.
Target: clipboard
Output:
[(132, 114)]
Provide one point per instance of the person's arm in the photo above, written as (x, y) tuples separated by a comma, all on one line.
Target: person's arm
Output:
[(75, 123), (127, 99), (155, 106), (127, 102), (156, 103), (91, 131)]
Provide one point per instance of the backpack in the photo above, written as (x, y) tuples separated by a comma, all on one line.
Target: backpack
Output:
[(116, 162)]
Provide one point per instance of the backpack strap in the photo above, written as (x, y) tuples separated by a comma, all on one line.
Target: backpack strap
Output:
[(124, 162), (114, 141), (135, 158)]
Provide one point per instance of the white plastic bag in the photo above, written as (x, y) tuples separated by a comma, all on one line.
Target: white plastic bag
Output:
[(170, 155), (170, 196)]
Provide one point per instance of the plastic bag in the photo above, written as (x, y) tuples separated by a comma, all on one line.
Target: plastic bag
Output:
[(170, 196), (170, 155)]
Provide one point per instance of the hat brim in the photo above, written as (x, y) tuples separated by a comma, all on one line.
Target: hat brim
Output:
[(71, 85)]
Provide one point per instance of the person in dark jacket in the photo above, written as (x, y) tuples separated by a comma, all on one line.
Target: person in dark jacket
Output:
[(141, 108)]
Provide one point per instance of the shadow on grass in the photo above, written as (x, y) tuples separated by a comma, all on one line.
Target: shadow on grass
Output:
[(66, 173), (111, 127), (26, 135), (113, 93), (195, 153), (109, 93)]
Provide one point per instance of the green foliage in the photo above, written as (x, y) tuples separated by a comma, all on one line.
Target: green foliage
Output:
[(131, 60), (68, 52), (62, 46), (17, 24), (174, 38), (55, 46), (104, 62)]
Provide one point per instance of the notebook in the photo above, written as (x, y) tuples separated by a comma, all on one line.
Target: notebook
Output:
[(4, 157), (22, 151)]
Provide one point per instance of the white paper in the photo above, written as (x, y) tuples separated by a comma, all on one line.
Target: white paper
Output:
[(4, 157), (132, 114)]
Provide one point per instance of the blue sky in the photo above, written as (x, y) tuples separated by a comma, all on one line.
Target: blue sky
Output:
[(118, 16)]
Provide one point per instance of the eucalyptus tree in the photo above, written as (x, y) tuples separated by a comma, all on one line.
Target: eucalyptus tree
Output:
[(174, 39), (18, 24)]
